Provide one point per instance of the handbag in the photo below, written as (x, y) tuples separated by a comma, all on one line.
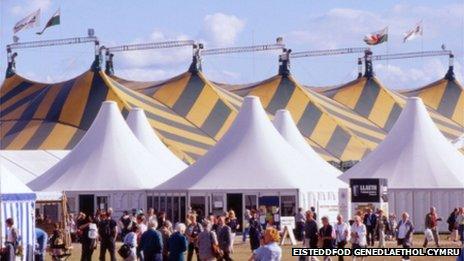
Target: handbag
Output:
[(125, 251), (428, 234), (215, 249)]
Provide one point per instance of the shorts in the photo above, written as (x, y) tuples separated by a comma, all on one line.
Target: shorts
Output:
[(357, 246)]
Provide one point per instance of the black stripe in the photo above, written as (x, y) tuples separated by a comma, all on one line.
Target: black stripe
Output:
[(355, 121), (444, 123), (75, 139), (309, 119), (97, 95), (184, 140), (19, 103), (338, 142), (281, 96), (365, 136), (189, 96), (394, 114), (216, 118), (368, 98), (13, 133), (59, 101), (40, 135), (192, 155), (15, 91), (449, 99)]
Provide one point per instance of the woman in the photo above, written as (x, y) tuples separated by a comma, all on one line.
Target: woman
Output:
[(270, 251), (327, 235), (131, 240), (452, 225), (166, 232), (177, 243), (207, 240), (358, 235), (87, 237), (255, 231), (232, 222), (460, 224)]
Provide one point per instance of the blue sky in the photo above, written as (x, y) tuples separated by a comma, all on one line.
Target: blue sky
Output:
[(305, 25)]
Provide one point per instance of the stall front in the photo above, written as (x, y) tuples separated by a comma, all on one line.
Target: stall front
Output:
[(421, 166), (17, 202), (109, 167), (251, 167)]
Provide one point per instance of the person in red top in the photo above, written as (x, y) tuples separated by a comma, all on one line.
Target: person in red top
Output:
[(431, 222)]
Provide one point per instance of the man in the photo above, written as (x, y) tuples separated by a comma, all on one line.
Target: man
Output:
[(11, 243), (431, 222), (151, 242), (300, 220), (125, 223), (404, 230), (370, 220), (310, 233), (166, 232), (342, 233), (224, 235), (107, 232), (358, 235), (41, 244), (193, 230), (380, 227), (313, 210)]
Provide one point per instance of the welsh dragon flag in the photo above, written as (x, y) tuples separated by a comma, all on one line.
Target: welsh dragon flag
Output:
[(377, 37), (54, 20)]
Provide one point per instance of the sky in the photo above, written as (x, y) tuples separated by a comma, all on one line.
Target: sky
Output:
[(304, 25)]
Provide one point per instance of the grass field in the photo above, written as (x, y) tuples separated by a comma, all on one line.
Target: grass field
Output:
[(242, 251)]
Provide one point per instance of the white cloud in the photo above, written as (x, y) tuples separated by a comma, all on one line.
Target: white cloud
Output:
[(30, 6), (222, 29)]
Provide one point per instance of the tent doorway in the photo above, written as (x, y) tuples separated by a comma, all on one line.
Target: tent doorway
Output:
[(235, 203), (87, 204)]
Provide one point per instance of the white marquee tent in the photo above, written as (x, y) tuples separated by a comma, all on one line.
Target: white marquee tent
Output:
[(17, 201), (141, 128), (422, 167), (108, 167), (29, 164), (251, 165)]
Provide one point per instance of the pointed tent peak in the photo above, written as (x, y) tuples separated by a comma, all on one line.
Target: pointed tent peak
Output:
[(109, 151), (285, 125), (10, 184), (415, 154), (252, 150), (138, 123)]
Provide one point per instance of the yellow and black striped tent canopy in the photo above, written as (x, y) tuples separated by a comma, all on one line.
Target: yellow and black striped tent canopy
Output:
[(445, 96), (368, 97), (192, 96), (335, 129), (56, 116)]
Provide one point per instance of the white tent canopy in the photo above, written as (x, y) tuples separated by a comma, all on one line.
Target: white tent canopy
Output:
[(459, 142), (29, 164), (108, 158), (285, 125), (414, 155), (141, 128), (251, 155), (10, 184)]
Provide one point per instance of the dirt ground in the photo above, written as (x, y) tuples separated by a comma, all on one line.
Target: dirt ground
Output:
[(243, 252)]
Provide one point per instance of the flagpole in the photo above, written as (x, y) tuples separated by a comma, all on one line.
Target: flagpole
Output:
[(388, 35)]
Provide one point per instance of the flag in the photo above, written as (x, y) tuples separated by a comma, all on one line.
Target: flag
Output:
[(54, 20), (414, 32), (29, 21), (377, 37)]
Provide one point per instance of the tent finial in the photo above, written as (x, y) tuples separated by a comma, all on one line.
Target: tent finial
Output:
[(284, 62), (96, 65), (195, 66), (109, 69), (11, 68), (369, 71), (450, 73), (360, 67)]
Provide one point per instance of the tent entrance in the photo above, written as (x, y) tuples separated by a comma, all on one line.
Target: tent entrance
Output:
[(198, 204), (87, 204), (235, 203)]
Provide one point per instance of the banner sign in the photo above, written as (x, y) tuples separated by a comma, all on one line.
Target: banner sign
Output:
[(368, 190)]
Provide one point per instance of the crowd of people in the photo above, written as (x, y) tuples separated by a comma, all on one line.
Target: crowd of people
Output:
[(151, 236)]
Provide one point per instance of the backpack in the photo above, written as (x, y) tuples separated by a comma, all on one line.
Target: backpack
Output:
[(93, 232)]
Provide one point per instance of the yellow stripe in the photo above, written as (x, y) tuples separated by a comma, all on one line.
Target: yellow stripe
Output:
[(31, 89), (59, 137), (202, 106), (458, 115), (230, 119), (432, 95), (24, 135), (11, 83), (266, 90), (16, 113), (74, 106), (170, 92), (350, 95), (297, 104), (47, 102), (186, 147), (381, 108), (5, 127), (353, 150), (323, 130)]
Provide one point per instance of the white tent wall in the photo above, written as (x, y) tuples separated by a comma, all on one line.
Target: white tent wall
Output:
[(325, 203), (119, 201), (417, 203), (22, 212)]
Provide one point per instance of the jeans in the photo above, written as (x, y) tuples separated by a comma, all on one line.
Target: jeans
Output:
[(246, 231), (87, 250), (404, 243), (110, 246), (370, 235), (341, 245)]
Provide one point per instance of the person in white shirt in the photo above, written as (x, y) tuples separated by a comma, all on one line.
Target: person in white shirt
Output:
[(404, 229), (342, 232), (131, 240), (358, 235)]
